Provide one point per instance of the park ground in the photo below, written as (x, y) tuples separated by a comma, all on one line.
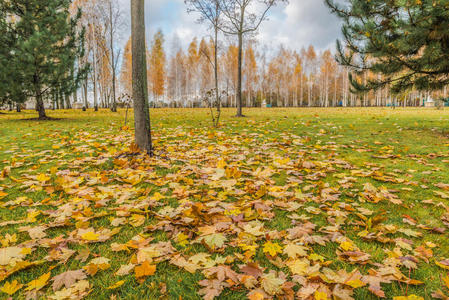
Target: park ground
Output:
[(285, 203)]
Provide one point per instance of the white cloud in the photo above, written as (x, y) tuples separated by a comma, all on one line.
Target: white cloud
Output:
[(302, 23), (299, 24)]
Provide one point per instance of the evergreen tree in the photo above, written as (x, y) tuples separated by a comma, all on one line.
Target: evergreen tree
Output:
[(5, 59), (43, 43), (406, 41)]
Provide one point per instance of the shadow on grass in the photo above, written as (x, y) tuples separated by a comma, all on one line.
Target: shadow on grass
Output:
[(42, 119)]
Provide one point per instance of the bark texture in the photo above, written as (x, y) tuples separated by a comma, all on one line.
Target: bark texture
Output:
[(139, 67)]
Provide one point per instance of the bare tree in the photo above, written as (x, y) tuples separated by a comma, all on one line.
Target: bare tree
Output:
[(242, 18), (210, 11), (112, 18), (140, 84)]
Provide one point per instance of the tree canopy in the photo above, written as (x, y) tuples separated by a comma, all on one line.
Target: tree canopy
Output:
[(43, 45), (405, 41)]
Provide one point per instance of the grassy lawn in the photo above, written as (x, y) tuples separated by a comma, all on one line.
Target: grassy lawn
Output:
[(283, 204)]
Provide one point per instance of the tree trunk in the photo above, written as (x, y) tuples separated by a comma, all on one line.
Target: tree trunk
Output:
[(18, 108), (217, 92), (40, 108), (75, 95), (114, 100), (67, 102), (86, 105), (95, 78), (55, 96), (239, 79), (61, 101), (140, 89)]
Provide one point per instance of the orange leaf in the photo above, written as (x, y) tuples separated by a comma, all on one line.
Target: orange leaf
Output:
[(145, 269)]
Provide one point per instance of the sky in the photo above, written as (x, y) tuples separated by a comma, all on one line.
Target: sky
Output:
[(298, 24)]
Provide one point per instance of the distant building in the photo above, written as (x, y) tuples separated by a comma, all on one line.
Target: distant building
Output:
[(429, 102), (77, 105), (31, 104)]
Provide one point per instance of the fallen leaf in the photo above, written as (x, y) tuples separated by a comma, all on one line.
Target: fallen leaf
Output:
[(145, 269), (11, 288), (38, 283), (67, 279)]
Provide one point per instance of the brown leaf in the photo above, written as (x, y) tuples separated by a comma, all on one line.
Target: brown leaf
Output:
[(67, 279)]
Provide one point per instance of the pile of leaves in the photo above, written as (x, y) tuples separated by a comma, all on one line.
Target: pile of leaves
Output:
[(237, 213)]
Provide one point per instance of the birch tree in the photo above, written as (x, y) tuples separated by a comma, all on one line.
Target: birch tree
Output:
[(240, 19)]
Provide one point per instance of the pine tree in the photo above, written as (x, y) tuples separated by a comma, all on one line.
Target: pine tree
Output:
[(43, 45), (406, 41), (4, 58), (9, 83)]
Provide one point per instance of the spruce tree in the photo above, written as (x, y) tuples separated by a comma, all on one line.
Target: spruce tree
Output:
[(406, 41), (43, 43)]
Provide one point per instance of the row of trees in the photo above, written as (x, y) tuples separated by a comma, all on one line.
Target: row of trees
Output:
[(248, 75), (103, 21), (61, 55), (277, 77)]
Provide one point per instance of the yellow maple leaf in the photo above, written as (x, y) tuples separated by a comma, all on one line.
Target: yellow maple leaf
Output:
[(316, 257), (443, 264), (182, 239), (261, 192), (157, 196), (411, 297), (299, 266), (26, 251), (116, 285), (137, 220), (293, 250), (347, 246), (8, 240), (320, 295), (91, 269), (272, 248), (11, 288), (39, 283), (355, 283), (221, 164), (90, 236), (215, 240), (42, 177), (53, 170), (31, 217), (145, 269)]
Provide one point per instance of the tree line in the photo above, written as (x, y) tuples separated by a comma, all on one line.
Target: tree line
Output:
[(70, 51), (278, 77)]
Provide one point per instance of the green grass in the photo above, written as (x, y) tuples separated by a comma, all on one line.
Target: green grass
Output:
[(407, 144)]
